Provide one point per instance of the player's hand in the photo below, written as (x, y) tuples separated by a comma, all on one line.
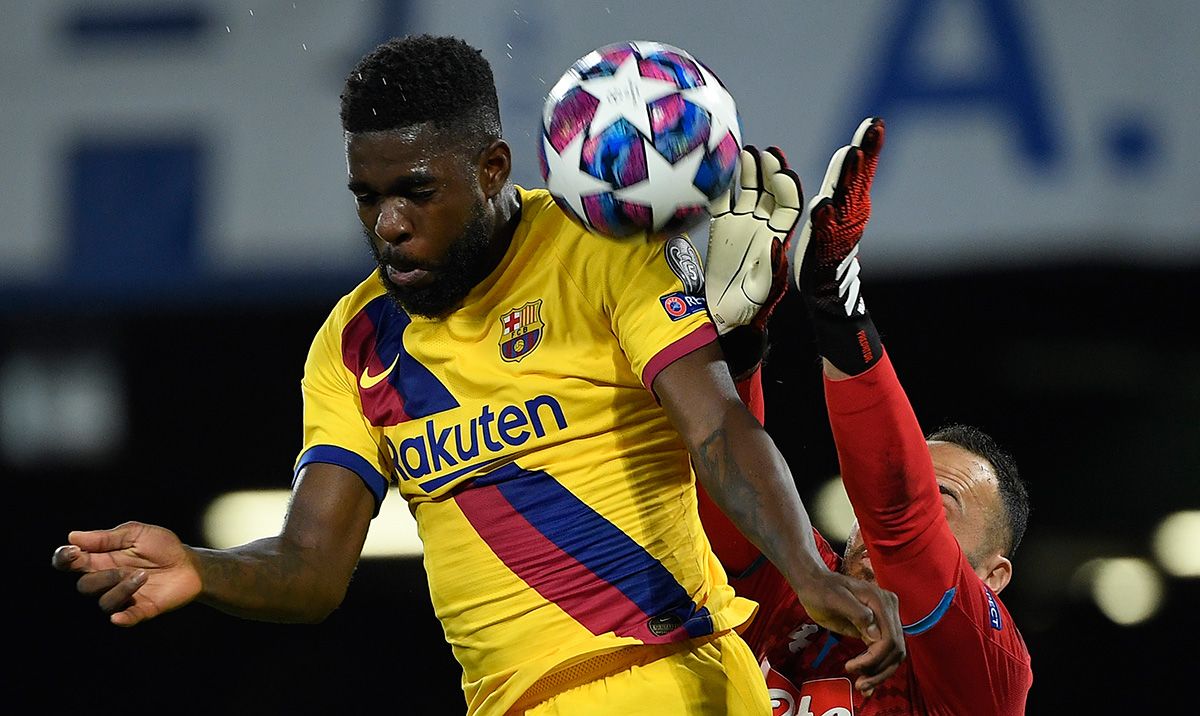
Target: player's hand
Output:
[(826, 265), (860, 609), (746, 266), (137, 571)]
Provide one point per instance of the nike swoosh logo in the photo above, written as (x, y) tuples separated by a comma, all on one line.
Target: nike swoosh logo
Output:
[(366, 381)]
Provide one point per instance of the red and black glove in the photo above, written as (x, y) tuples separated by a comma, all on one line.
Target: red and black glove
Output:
[(826, 265)]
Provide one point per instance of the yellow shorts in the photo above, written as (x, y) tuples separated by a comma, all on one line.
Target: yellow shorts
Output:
[(719, 676)]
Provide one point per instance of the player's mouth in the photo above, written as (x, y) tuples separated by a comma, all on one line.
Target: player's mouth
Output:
[(408, 276)]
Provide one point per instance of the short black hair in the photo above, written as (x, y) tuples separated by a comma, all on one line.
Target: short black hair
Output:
[(1014, 496), (417, 79)]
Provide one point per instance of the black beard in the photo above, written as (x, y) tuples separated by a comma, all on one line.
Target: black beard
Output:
[(466, 263)]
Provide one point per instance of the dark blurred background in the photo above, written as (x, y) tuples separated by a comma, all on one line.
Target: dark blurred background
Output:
[(174, 227)]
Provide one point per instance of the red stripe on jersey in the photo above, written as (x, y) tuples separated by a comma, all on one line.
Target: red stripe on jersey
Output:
[(553, 573), (382, 402), (702, 336)]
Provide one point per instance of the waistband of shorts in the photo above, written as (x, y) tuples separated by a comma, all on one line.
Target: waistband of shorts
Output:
[(605, 664)]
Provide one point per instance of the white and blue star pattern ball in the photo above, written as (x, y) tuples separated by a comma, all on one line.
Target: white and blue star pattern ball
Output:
[(638, 137)]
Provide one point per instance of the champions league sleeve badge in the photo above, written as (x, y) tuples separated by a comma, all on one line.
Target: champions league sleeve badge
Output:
[(685, 263), (521, 331)]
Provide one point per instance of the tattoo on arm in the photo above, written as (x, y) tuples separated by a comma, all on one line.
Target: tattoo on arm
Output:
[(735, 493)]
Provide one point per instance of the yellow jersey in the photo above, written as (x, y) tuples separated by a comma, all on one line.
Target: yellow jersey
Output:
[(555, 502)]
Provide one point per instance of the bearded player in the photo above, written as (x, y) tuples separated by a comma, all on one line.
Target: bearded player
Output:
[(938, 519)]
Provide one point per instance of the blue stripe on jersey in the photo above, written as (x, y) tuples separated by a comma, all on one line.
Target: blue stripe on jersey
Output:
[(610, 554), (334, 455), (422, 392), (929, 620)]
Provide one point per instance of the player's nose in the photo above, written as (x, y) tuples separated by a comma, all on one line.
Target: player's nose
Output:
[(393, 224)]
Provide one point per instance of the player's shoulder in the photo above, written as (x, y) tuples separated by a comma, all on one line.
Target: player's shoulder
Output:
[(549, 225), (354, 301)]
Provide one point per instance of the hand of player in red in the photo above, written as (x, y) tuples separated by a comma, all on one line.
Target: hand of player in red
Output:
[(138, 571), (827, 266), (861, 609), (746, 266)]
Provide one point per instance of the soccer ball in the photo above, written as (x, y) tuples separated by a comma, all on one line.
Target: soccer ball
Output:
[(638, 136)]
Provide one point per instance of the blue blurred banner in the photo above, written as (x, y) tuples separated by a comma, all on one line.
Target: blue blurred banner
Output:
[(194, 145)]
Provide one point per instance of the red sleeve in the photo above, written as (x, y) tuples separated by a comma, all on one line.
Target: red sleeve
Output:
[(947, 609), (737, 554), (779, 610)]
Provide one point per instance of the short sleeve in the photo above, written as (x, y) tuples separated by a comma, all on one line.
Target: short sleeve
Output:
[(335, 431), (654, 295)]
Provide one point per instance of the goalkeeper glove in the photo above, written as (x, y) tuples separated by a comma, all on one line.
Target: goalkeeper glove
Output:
[(827, 271), (746, 267)]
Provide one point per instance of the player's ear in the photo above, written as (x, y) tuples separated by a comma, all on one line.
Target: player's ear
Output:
[(495, 164), (997, 572)]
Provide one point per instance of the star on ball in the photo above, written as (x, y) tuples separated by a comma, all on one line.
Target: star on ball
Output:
[(677, 178), (625, 94), (568, 181), (715, 99)]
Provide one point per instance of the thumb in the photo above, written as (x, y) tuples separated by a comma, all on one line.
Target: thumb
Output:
[(104, 540)]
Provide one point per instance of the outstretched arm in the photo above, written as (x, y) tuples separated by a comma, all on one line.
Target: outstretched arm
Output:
[(139, 571), (743, 472), (886, 467)]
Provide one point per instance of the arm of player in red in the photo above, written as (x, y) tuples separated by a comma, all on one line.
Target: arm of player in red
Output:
[(962, 658), (886, 466)]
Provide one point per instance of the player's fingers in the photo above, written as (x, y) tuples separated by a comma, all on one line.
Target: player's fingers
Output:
[(833, 173), (101, 581), (789, 197), (858, 169), (749, 181), (821, 215), (69, 558), (850, 180), (119, 537), (869, 136), (769, 164), (120, 595), (877, 662)]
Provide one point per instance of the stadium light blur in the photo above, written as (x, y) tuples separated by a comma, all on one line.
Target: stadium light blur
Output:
[(239, 517), (1128, 590), (61, 408), (832, 512), (1177, 544)]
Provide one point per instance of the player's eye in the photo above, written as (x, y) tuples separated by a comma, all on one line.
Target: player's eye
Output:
[(365, 198)]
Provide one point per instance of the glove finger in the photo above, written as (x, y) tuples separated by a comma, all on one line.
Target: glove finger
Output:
[(854, 172), (858, 170), (769, 165), (832, 174), (869, 136), (779, 156), (751, 181), (789, 198)]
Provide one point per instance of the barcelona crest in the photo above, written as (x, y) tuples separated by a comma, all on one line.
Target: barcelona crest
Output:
[(521, 331)]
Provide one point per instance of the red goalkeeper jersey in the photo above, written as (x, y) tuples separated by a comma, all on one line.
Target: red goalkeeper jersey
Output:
[(965, 654)]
